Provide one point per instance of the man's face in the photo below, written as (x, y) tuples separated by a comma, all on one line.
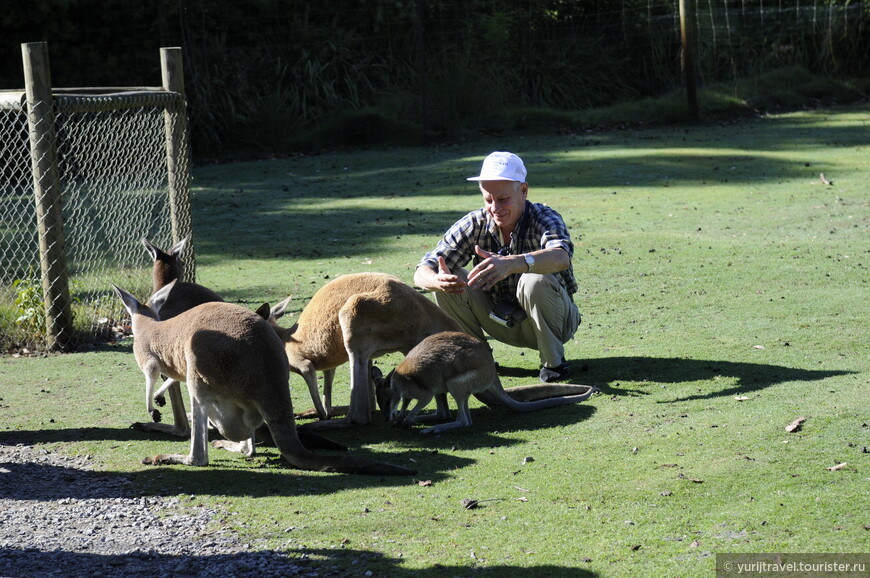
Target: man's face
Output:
[(505, 201)]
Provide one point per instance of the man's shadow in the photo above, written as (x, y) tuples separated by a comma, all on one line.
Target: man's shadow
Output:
[(607, 373)]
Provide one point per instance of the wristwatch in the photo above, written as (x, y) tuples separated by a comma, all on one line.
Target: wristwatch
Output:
[(530, 262)]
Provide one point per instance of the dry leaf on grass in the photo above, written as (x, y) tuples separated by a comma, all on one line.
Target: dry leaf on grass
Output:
[(795, 425), (838, 467)]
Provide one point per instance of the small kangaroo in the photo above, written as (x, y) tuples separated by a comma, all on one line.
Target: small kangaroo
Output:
[(461, 365), (169, 267), (237, 376), (358, 317)]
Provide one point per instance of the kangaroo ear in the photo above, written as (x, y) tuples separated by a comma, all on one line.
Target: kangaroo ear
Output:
[(131, 304), (178, 247), (158, 300), (278, 310), (263, 311), (151, 248), (377, 375)]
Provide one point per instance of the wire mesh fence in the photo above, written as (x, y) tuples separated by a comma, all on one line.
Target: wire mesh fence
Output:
[(109, 186)]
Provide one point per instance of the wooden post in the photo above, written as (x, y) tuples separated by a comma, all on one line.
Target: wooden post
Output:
[(47, 195), (687, 37), (423, 73), (177, 155)]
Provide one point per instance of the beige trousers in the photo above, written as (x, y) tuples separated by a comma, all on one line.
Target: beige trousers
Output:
[(552, 317)]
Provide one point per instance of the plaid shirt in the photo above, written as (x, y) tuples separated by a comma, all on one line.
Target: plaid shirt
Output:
[(544, 228)]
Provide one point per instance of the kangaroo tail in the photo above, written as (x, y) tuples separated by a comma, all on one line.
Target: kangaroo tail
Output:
[(535, 397), (308, 439), (291, 448), (545, 390)]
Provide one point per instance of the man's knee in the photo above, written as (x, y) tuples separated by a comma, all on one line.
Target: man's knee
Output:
[(533, 286)]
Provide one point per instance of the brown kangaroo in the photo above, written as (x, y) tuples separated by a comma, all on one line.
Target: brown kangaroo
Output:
[(359, 317), (461, 365), (356, 318), (237, 376)]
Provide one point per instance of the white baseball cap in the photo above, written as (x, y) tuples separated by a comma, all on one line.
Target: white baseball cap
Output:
[(501, 166)]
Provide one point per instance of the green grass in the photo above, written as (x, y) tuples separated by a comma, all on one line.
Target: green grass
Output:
[(714, 265)]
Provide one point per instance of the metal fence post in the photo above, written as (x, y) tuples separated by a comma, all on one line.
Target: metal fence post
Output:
[(47, 195)]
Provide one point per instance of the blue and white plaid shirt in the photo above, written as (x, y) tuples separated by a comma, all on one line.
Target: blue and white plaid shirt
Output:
[(544, 228)]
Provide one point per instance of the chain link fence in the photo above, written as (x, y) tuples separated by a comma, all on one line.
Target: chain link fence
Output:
[(81, 215)]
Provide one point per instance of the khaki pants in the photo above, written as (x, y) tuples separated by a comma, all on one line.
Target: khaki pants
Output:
[(552, 317)]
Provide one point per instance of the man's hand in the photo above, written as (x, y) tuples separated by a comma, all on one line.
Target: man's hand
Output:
[(447, 281), (492, 269)]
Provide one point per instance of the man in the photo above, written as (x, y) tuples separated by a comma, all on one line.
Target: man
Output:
[(520, 289)]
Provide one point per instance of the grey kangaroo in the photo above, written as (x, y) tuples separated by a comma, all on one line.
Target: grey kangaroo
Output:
[(237, 376), (461, 365)]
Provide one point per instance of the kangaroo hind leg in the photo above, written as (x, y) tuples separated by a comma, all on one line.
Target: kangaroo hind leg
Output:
[(463, 417)]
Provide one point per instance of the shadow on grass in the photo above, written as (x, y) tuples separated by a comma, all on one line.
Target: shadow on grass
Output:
[(267, 474), (490, 428), (311, 209), (608, 373), (303, 562)]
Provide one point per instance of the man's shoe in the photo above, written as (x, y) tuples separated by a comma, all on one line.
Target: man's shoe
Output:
[(555, 374)]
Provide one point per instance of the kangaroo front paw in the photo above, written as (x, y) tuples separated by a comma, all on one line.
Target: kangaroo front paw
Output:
[(156, 416), (160, 400)]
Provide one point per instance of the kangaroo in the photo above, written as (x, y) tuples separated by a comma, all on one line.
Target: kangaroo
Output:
[(169, 267), (458, 364), (358, 317), (237, 376), (355, 318)]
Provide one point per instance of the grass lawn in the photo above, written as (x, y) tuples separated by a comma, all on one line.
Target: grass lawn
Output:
[(724, 290)]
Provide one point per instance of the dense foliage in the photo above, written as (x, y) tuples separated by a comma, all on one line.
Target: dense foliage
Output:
[(277, 74)]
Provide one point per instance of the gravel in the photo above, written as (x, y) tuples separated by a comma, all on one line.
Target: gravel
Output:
[(60, 517)]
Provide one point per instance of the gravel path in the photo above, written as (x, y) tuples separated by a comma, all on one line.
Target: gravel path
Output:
[(59, 517)]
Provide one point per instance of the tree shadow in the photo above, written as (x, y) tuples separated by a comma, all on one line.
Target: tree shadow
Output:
[(308, 208), (608, 374), (296, 562)]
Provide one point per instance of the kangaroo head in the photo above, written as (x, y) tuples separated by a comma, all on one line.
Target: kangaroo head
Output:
[(387, 396), (167, 266)]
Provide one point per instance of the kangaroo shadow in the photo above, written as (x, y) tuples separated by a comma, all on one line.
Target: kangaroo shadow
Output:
[(296, 562), (608, 373), (228, 473), (491, 427), (266, 474)]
